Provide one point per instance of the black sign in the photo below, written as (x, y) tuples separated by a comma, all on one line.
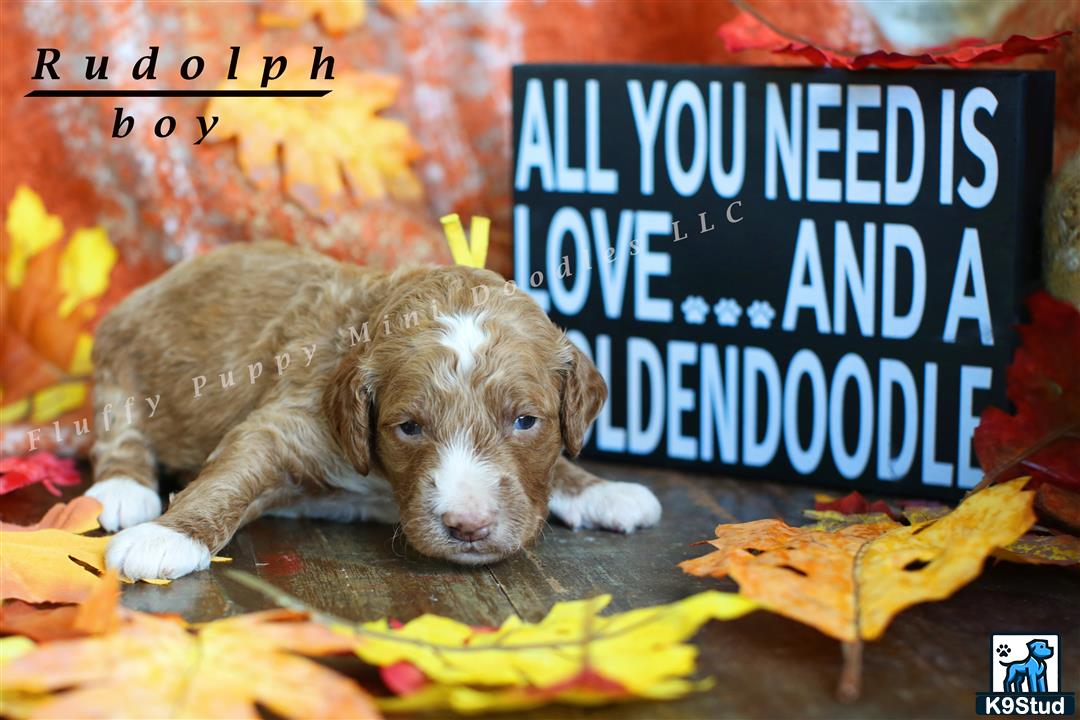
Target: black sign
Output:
[(790, 274)]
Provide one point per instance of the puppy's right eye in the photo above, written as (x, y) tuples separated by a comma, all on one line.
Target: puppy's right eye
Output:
[(409, 428), (524, 422)]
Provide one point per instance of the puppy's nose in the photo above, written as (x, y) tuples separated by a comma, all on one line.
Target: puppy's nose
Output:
[(468, 527)]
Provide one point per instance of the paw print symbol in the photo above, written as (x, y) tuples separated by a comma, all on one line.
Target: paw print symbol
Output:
[(1003, 651), (695, 309), (728, 312), (760, 314)]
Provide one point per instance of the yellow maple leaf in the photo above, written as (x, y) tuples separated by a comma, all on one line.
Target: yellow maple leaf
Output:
[(51, 561), (850, 583), (1042, 549), (10, 412), (573, 655), (1035, 548), (48, 565), (930, 561), (160, 667), (14, 647), (46, 315), (336, 16), (322, 139), (31, 229), (55, 400), (81, 357), (85, 266)]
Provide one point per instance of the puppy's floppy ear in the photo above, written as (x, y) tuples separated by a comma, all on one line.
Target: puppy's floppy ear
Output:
[(347, 403), (583, 394)]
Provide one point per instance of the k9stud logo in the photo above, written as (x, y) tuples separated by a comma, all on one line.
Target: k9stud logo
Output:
[(1025, 676)]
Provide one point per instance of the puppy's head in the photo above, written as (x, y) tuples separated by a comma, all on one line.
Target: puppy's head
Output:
[(464, 407)]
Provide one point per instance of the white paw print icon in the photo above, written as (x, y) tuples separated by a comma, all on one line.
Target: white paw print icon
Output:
[(761, 314), (695, 309), (728, 311)]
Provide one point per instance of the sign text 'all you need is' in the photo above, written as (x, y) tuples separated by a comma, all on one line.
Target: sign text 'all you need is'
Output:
[(785, 273), (53, 67)]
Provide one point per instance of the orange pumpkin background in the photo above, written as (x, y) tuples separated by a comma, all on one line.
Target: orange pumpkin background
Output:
[(417, 126)]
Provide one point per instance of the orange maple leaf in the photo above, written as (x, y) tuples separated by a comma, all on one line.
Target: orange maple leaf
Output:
[(805, 574), (851, 582), (324, 142), (78, 516), (153, 666), (97, 615)]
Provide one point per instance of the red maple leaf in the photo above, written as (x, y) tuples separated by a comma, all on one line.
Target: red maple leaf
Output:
[(855, 504), (1042, 438), (403, 678), (748, 32), (39, 467)]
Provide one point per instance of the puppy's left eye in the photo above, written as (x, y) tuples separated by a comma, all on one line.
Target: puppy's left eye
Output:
[(524, 422), (410, 428)]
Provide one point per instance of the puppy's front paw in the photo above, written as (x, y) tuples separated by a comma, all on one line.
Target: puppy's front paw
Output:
[(619, 506), (151, 551), (124, 503)]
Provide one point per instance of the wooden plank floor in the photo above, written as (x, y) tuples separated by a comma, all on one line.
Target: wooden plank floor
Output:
[(931, 662)]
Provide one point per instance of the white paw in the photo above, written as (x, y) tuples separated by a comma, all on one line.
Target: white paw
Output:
[(151, 551), (124, 503), (619, 506)]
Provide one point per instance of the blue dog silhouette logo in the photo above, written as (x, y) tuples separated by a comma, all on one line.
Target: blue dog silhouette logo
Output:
[(1025, 677), (1029, 673)]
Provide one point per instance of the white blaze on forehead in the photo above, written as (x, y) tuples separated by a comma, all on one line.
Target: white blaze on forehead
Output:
[(464, 334), (464, 482)]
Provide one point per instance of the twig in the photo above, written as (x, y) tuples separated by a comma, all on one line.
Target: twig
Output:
[(285, 600)]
